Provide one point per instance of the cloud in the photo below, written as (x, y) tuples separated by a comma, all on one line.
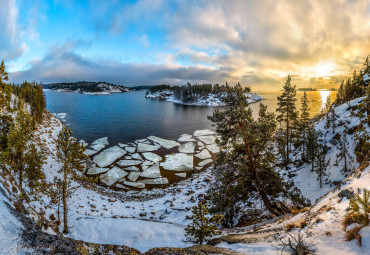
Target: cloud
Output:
[(11, 45), (62, 64)]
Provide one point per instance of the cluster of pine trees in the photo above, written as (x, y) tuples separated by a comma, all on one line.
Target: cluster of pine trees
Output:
[(192, 92), (21, 109)]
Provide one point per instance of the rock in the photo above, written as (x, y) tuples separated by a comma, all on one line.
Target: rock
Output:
[(103, 141), (151, 172), (96, 170), (108, 156), (133, 176), (138, 185), (112, 200), (203, 154), (186, 138), (83, 142), (130, 149), (89, 152), (122, 145), (181, 175), (178, 162), (97, 147), (136, 156), (204, 132), (112, 176), (127, 162), (142, 147), (205, 162), (168, 144), (207, 139), (214, 148), (187, 148), (131, 168), (152, 157), (155, 181)]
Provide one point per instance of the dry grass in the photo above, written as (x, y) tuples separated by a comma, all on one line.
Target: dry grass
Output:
[(289, 226), (353, 234), (358, 218), (302, 224), (295, 210)]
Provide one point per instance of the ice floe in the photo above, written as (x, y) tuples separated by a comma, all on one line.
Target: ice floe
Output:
[(178, 162), (103, 140), (205, 162), (186, 138), (181, 175), (142, 147), (130, 149), (138, 185), (152, 157), (131, 168), (203, 154), (157, 181), (168, 144), (187, 148), (133, 176), (112, 176), (97, 147), (203, 132), (136, 156), (207, 139), (214, 148), (108, 156), (96, 170), (151, 172), (126, 162), (89, 152)]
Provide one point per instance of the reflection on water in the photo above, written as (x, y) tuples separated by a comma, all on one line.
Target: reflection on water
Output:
[(125, 117)]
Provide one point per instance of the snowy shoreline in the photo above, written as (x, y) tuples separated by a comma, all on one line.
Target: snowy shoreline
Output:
[(210, 100)]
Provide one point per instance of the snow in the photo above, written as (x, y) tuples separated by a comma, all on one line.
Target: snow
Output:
[(252, 248), (203, 154), (188, 147), (151, 172), (178, 162), (168, 144), (108, 156), (112, 176), (134, 233)]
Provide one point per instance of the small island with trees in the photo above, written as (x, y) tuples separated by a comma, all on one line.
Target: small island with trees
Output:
[(85, 87)]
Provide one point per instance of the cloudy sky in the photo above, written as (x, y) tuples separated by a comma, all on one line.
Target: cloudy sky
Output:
[(258, 43)]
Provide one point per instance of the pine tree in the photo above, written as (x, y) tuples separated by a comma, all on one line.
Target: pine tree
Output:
[(70, 154), (321, 164), (304, 123), (202, 227), (250, 162), (3, 73), (359, 204), (344, 153), (288, 114), (33, 167), (362, 144), (312, 145)]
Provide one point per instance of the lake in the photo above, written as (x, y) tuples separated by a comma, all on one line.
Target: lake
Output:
[(125, 117)]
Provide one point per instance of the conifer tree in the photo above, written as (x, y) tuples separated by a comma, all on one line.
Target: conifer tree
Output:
[(344, 153), (362, 144), (70, 154), (250, 163), (312, 145), (202, 227), (304, 123), (33, 167), (287, 114), (321, 164)]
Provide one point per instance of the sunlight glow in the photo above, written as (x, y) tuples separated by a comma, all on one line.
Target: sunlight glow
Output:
[(324, 69), (324, 96)]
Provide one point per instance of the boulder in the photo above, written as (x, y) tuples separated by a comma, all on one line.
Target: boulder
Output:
[(152, 157), (178, 162), (151, 172), (108, 156), (112, 176), (168, 144), (203, 154), (187, 148)]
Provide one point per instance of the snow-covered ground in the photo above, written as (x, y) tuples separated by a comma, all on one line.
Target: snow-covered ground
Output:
[(210, 100)]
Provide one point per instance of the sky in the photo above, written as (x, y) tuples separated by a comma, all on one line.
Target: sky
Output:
[(147, 42)]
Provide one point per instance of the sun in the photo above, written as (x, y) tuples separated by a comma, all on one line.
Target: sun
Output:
[(324, 69)]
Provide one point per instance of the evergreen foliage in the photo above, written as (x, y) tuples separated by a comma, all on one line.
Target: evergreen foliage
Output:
[(344, 154), (304, 124), (70, 154), (358, 204), (321, 163), (362, 147), (312, 145), (287, 117), (247, 161), (202, 227)]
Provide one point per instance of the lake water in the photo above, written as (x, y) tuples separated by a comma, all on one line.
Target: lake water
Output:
[(125, 117)]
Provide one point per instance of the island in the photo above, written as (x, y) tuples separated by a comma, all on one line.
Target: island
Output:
[(85, 87), (197, 94)]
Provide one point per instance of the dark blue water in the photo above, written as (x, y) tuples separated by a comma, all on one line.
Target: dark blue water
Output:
[(125, 117)]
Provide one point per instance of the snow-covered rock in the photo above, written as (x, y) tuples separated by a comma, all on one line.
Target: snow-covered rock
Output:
[(178, 162), (188, 147), (142, 147), (108, 156), (168, 144), (151, 172), (157, 181), (127, 162), (133, 176), (152, 157), (138, 185), (203, 154), (112, 176), (204, 132)]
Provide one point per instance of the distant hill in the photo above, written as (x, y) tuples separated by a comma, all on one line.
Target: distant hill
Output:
[(86, 87)]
